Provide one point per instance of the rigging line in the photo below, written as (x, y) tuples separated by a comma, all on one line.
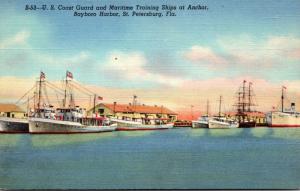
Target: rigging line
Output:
[(59, 90), (26, 101), (81, 90), (83, 87), (25, 94), (46, 94)]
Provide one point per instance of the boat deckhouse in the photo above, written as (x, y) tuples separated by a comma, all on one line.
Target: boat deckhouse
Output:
[(11, 110), (133, 112)]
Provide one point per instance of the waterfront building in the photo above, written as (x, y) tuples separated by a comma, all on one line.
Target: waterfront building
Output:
[(12, 111), (134, 112)]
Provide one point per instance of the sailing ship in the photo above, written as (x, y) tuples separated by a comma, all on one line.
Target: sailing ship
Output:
[(244, 104), (65, 119), (284, 118), (221, 122), (202, 122)]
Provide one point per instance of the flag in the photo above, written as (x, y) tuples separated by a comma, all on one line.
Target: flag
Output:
[(69, 75), (245, 81), (283, 87), (42, 76), (100, 98)]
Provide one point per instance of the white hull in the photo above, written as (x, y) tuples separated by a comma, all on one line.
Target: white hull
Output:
[(281, 119), (13, 125), (213, 124), (199, 124), (49, 126), (123, 125)]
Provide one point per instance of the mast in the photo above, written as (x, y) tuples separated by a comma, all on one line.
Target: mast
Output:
[(94, 107), (220, 102), (65, 98), (42, 75), (207, 107), (249, 97), (192, 114), (244, 96), (282, 98)]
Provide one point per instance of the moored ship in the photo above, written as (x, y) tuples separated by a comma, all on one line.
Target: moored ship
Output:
[(124, 125), (202, 122), (12, 119), (13, 125), (66, 119), (284, 118)]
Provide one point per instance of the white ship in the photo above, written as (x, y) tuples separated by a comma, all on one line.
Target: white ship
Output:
[(202, 122), (13, 125), (284, 118), (219, 122), (52, 126), (66, 119), (126, 125), (222, 123)]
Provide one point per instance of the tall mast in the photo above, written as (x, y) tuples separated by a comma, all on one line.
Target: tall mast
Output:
[(249, 97), (282, 98), (207, 107), (42, 75), (65, 98), (94, 108), (244, 96), (220, 102)]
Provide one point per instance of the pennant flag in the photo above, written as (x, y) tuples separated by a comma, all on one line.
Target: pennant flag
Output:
[(69, 75), (42, 76)]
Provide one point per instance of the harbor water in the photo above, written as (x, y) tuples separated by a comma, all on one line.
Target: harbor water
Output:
[(183, 158)]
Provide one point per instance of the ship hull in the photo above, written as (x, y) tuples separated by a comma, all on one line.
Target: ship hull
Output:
[(283, 120), (144, 127), (13, 125), (221, 125), (199, 124), (48, 126), (123, 125), (247, 124)]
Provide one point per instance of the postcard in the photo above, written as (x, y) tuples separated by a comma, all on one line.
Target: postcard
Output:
[(119, 94)]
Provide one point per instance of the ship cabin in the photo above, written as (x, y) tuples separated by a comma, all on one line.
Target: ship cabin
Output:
[(45, 112), (12, 111), (70, 114), (140, 113)]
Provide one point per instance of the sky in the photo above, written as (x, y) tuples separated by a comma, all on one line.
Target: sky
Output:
[(172, 61)]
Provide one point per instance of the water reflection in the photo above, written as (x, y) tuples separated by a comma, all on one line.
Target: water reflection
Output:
[(286, 133), (9, 140), (197, 132), (55, 140), (225, 132), (134, 133), (260, 132)]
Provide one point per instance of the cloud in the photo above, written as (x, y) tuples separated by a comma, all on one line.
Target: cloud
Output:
[(204, 54), (18, 39), (132, 66), (245, 53)]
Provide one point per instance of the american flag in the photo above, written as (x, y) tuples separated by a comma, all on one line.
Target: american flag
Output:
[(69, 75), (42, 75)]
